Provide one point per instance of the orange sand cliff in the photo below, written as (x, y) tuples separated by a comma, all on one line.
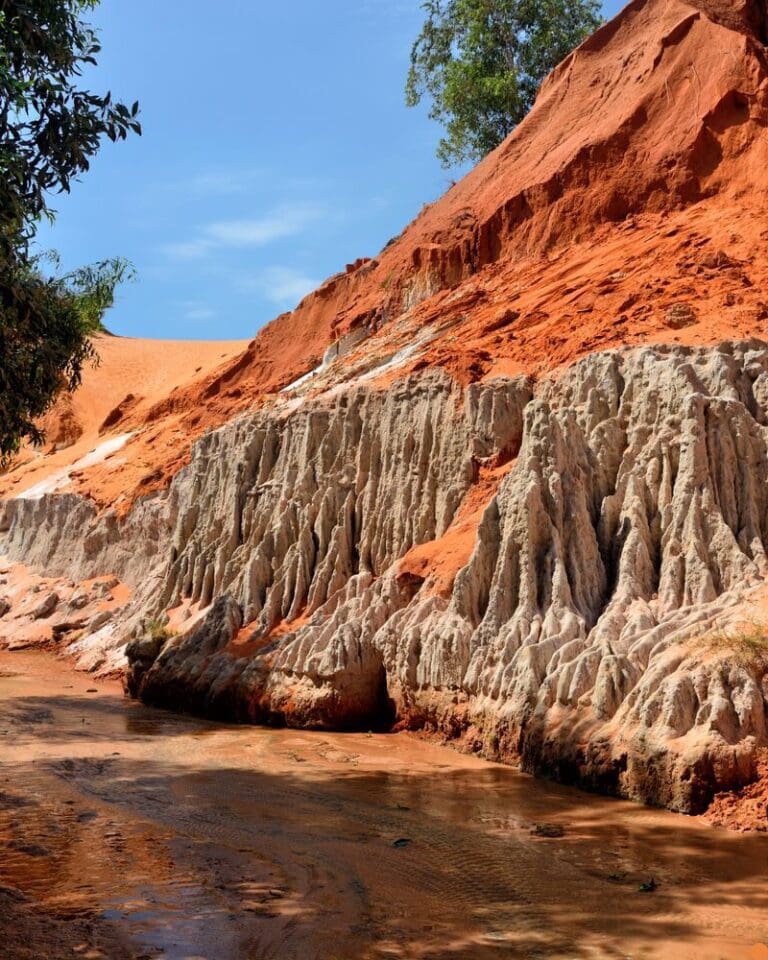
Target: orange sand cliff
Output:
[(622, 211)]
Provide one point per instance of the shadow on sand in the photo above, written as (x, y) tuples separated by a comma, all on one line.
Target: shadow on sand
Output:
[(251, 844)]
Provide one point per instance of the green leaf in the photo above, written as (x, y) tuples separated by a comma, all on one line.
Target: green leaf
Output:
[(480, 63)]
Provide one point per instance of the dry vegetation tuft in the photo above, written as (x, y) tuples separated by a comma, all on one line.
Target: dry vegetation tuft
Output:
[(748, 643)]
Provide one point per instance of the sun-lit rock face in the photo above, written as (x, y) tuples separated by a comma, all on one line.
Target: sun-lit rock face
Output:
[(506, 481), (580, 633)]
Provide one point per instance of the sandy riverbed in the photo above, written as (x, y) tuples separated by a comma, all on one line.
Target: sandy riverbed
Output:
[(128, 832)]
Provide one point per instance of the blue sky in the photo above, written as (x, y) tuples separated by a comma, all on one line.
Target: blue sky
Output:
[(276, 149)]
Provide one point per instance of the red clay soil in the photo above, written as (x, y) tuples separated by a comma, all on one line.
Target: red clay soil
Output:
[(745, 809), (629, 207), (438, 561)]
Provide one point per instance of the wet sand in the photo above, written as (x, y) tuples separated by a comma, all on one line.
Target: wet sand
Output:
[(130, 832)]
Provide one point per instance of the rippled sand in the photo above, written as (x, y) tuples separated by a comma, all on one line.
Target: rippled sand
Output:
[(129, 832)]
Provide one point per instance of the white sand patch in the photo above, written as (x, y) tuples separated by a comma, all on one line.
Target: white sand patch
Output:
[(337, 350), (61, 478), (102, 452), (396, 360), (302, 380), (389, 362)]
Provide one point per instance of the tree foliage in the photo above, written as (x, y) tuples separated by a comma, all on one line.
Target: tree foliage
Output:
[(481, 63), (50, 129), (46, 324)]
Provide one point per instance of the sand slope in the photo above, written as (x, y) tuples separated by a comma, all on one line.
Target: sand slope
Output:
[(118, 400)]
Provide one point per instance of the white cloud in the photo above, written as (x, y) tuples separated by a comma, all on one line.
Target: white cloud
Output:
[(285, 221), (221, 183), (288, 220), (283, 286), (187, 250), (200, 313), (197, 310)]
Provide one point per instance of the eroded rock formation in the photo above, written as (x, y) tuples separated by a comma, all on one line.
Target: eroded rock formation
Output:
[(578, 635), (505, 482)]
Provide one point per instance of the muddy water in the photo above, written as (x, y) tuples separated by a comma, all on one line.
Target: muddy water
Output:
[(128, 832)]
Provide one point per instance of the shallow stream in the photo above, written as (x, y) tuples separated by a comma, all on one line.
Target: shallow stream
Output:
[(138, 833)]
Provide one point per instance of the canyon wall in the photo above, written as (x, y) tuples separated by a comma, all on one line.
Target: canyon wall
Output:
[(588, 631), (432, 497)]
